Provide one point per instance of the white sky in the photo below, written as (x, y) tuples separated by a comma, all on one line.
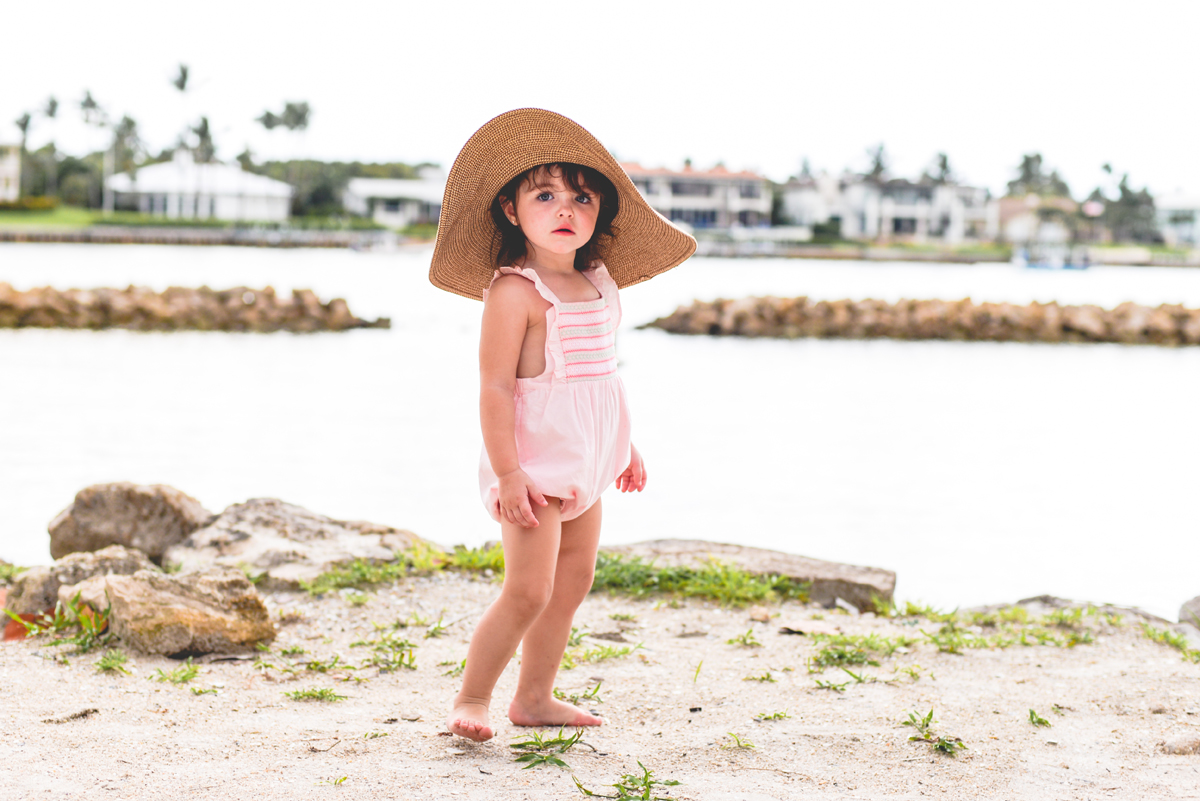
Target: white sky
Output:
[(758, 85)]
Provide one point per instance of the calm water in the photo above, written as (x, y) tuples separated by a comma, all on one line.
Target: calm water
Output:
[(980, 472)]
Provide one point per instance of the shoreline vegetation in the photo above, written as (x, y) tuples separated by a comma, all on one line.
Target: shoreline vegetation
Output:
[(712, 678), (963, 320), (781, 698), (177, 309)]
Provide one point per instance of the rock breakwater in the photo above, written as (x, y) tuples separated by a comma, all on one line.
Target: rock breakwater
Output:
[(177, 309), (791, 318)]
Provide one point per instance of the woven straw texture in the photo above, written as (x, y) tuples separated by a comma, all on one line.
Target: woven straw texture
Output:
[(464, 256)]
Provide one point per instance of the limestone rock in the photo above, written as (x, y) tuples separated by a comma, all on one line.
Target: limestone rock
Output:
[(148, 518), (37, 589), (1190, 612), (1184, 744), (287, 544), (859, 586), (216, 610)]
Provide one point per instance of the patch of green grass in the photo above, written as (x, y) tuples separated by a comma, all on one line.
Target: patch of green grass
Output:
[(765, 676), (575, 638), (623, 617), (1038, 720), (315, 694), (831, 685), (9, 572), (374, 735), (476, 560), (1173, 639), (356, 574), (747, 640), (456, 668), (926, 734), (436, 630), (327, 665), (388, 652), (536, 750), (180, 675), (357, 598), (761, 716), (718, 581), (209, 691), (590, 694), (737, 742), (61, 217), (632, 787), (335, 782), (574, 658), (92, 625), (293, 650), (113, 661)]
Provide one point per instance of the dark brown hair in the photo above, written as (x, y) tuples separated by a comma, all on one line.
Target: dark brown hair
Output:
[(578, 178)]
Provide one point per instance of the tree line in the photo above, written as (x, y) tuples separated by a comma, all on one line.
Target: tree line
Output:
[(75, 180), (1127, 213)]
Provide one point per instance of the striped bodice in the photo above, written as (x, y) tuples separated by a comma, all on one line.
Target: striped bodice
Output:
[(588, 337)]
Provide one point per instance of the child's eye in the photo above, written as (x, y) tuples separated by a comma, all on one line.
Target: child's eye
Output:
[(583, 198), (545, 196)]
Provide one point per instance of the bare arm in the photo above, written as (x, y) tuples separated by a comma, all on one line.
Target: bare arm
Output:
[(507, 314)]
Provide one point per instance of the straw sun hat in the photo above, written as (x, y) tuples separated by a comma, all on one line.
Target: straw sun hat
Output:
[(464, 256)]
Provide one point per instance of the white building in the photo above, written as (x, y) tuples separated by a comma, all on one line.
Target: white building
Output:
[(182, 189), (891, 210), (10, 173), (715, 198), (397, 203), (1179, 219)]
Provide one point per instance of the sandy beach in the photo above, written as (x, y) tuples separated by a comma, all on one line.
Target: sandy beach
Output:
[(684, 701)]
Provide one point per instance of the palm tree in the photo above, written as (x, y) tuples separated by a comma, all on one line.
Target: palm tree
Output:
[(50, 112), (294, 118), (23, 123)]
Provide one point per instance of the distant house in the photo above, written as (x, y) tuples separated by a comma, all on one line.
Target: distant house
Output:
[(182, 189), (1179, 219), (893, 210), (1036, 219), (10, 173), (397, 203), (715, 198)]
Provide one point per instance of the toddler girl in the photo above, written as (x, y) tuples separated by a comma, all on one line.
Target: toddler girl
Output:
[(541, 223)]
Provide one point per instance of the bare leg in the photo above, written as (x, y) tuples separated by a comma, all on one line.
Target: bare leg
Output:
[(530, 558), (542, 648)]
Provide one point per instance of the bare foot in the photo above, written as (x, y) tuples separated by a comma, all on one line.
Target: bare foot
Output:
[(470, 721), (549, 712)]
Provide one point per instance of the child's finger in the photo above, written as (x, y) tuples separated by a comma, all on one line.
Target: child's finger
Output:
[(527, 518), (537, 497)]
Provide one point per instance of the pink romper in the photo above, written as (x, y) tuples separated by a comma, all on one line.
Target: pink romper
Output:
[(572, 421)]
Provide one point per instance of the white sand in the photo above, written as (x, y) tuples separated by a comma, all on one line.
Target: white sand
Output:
[(1123, 695)]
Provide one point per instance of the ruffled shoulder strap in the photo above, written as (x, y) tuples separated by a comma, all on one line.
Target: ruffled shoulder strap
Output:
[(608, 289), (530, 274)]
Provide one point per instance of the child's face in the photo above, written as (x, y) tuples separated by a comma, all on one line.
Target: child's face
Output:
[(552, 216)]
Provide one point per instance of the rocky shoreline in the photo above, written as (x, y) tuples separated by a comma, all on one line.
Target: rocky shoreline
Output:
[(287, 692), (177, 309), (791, 318)]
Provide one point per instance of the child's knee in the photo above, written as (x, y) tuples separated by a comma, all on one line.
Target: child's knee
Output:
[(528, 599)]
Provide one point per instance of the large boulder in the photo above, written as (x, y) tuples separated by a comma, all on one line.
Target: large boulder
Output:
[(860, 586), (149, 518), (1190, 612), (285, 544), (216, 610), (37, 589)]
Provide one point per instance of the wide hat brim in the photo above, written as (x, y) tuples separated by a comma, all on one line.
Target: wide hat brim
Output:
[(464, 255)]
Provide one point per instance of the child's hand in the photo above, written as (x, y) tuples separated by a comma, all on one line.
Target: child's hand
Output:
[(516, 492), (634, 477)]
